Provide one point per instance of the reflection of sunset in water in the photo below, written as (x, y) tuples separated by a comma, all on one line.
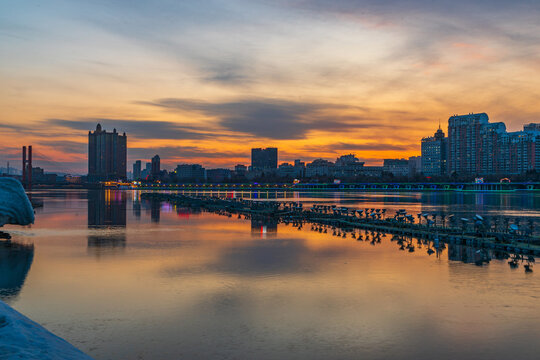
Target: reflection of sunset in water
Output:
[(202, 285)]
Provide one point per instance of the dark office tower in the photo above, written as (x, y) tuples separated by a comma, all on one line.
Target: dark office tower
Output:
[(107, 155), (137, 170), (264, 159), (434, 154), (156, 167), (464, 143)]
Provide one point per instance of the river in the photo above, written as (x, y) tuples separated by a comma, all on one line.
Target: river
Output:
[(122, 278)]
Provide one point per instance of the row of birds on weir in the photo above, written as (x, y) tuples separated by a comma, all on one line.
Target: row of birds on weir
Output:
[(293, 212), (477, 223), (404, 243)]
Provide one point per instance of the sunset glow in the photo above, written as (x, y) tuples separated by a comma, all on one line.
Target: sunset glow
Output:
[(204, 81)]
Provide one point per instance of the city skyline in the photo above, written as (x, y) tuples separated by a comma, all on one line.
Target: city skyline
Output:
[(310, 78), (494, 151)]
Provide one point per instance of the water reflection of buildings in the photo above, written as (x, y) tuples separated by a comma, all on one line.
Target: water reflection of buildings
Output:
[(263, 227), (466, 254), (107, 219), (137, 204), (155, 210), (154, 206), (15, 262)]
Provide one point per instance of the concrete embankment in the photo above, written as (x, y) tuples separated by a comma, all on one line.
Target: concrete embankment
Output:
[(22, 338)]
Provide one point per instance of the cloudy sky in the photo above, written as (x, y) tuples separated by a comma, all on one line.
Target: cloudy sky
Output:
[(204, 81)]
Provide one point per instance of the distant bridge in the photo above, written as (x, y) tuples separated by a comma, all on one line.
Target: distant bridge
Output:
[(356, 187)]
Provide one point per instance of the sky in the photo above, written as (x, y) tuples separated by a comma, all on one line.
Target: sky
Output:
[(205, 81)]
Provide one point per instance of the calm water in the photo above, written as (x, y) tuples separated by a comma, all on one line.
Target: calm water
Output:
[(122, 278)]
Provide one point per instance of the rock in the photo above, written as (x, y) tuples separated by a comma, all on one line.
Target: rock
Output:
[(15, 208)]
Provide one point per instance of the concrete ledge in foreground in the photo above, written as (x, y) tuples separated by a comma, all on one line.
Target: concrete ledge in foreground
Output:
[(22, 338)]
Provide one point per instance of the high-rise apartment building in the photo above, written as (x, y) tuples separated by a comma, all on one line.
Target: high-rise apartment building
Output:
[(264, 159), (489, 152), (156, 166), (107, 155), (478, 147), (464, 143), (137, 170), (520, 150), (434, 154)]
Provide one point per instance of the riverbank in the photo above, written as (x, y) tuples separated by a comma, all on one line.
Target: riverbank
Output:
[(22, 338)]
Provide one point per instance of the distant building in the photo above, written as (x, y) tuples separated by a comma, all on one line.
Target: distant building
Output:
[(240, 170), (532, 127), (73, 179), (478, 147), (464, 143), (147, 170), (37, 172), (415, 165), (40, 177), (396, 167), (319, 167), (520, 151), (107, 155), (264, 159), (190, 173), (286, 170), (489, 157), (348, 166), (300, 167), (137, 170), (372, 171), (434, 154), (290, 171), (218, 175), (156, 166)]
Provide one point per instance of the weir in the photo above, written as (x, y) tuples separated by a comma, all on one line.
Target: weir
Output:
[(477, 232)]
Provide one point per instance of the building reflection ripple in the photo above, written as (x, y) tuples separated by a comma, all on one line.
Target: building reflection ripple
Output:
[(263, 227), (107, 221)]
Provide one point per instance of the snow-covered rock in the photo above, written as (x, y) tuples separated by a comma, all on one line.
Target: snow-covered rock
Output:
[(15, 208), (21, 338)]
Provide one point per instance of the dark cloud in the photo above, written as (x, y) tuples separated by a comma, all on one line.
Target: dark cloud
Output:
[(372, 146), (184, 152), (66, 146), (138, 128), (231, 73), (272, 118), (338, 148), (9, 127)]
